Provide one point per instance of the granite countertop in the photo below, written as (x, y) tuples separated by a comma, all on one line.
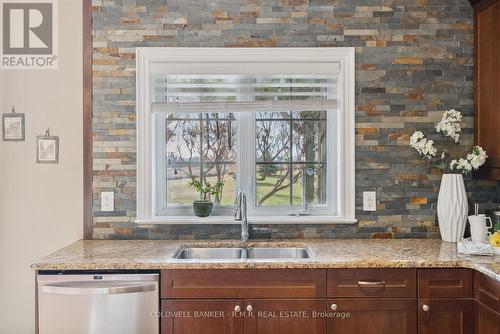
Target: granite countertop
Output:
[(336, 253)]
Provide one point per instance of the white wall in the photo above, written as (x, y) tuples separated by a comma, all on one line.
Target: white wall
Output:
[(40, 205)]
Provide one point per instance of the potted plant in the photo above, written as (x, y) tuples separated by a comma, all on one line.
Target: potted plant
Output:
[(452, 205), (203, 207)]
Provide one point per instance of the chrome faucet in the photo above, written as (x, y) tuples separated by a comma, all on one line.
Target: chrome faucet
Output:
[(240, 214)]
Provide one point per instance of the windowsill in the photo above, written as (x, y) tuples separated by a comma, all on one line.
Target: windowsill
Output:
[(224, 220)]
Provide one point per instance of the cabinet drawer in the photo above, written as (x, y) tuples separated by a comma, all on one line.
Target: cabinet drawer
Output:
[(371, 283), (260, 283), (445, 283), (487, 291)]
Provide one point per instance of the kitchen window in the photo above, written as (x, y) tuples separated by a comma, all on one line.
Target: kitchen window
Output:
[(277, 123)]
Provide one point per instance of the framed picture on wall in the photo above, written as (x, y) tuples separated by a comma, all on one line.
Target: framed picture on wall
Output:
[(13, 126), (47, 149)]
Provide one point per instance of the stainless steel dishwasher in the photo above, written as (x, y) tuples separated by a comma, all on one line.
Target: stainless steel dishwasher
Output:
[(98, 304)]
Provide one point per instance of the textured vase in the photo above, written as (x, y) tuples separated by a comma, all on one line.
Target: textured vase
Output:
[(452, 207)]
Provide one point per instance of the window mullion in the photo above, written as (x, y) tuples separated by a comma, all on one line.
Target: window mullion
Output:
[(247, 139), (159, 166), (332, 154), (202, 173), (290, 161), (251, 157)]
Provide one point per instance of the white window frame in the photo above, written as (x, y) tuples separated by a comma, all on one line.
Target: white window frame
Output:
[(344, 178)]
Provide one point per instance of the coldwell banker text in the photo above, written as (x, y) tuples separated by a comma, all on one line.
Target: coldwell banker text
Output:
[(29, 34)]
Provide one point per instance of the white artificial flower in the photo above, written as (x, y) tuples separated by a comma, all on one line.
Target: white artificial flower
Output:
[(429, 148), (464, 165), (450, 124), (423, 146), (461, 165), (415, 137), (478, 157), (453, 163)]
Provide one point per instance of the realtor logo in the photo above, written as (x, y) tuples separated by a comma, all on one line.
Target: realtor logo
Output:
[(29, 34)]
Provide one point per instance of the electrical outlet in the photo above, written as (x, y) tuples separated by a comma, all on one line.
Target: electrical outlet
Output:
[(369, 201), (107, 201)]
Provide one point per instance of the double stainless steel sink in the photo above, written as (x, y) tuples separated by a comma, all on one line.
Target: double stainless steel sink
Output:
[(251, 253)]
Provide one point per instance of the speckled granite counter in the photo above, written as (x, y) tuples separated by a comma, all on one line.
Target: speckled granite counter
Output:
[(358, 253)]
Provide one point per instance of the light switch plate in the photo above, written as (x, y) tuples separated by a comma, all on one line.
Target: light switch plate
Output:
[(369, 201), (107, 201)]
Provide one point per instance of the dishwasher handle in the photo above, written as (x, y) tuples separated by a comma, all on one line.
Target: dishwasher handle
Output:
[(97, 288)]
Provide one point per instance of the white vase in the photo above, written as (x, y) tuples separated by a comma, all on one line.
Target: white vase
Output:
[(452, 207)]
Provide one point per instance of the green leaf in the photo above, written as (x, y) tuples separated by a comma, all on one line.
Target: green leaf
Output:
[(475, 150), (441, 165), (497, 227), (207, 188)]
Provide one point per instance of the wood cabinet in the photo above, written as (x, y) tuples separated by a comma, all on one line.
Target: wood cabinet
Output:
[(440, 316), (445, 303), (271, 301), (487, 291), (372, 301), (242, 283), (286, 316), (372, 283), (487, 294), (487, 321), (201, 316), (329, 301), (373, 316), (487, 85), (445, 283), (252, 316)]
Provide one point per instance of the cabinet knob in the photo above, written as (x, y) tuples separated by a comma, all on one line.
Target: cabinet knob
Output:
[(334, 307), (426, 308), (249, 308), (237, 308)]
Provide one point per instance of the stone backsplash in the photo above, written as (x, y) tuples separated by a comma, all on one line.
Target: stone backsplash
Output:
[(414, 59)]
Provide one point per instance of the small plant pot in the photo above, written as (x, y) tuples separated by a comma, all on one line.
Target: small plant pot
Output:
[(202, 209)]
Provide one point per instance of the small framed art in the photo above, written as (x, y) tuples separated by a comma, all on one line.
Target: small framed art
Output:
[(13, 126), (47, 149)]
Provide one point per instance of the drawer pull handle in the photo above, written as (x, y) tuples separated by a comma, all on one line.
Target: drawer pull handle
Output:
[(334, 307), (237, 308), (371, 284), (249, 308), (426, 308)]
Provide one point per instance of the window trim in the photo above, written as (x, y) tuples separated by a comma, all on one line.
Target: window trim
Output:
[(345, 178)]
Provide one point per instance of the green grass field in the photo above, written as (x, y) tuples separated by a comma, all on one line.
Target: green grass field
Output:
[(185, 194)]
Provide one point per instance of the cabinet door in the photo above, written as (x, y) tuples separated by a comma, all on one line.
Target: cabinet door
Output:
[(487, 87), (201, 317), (285, 316), (488, 321), (372, 316), (487, 291), (452, 316)]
